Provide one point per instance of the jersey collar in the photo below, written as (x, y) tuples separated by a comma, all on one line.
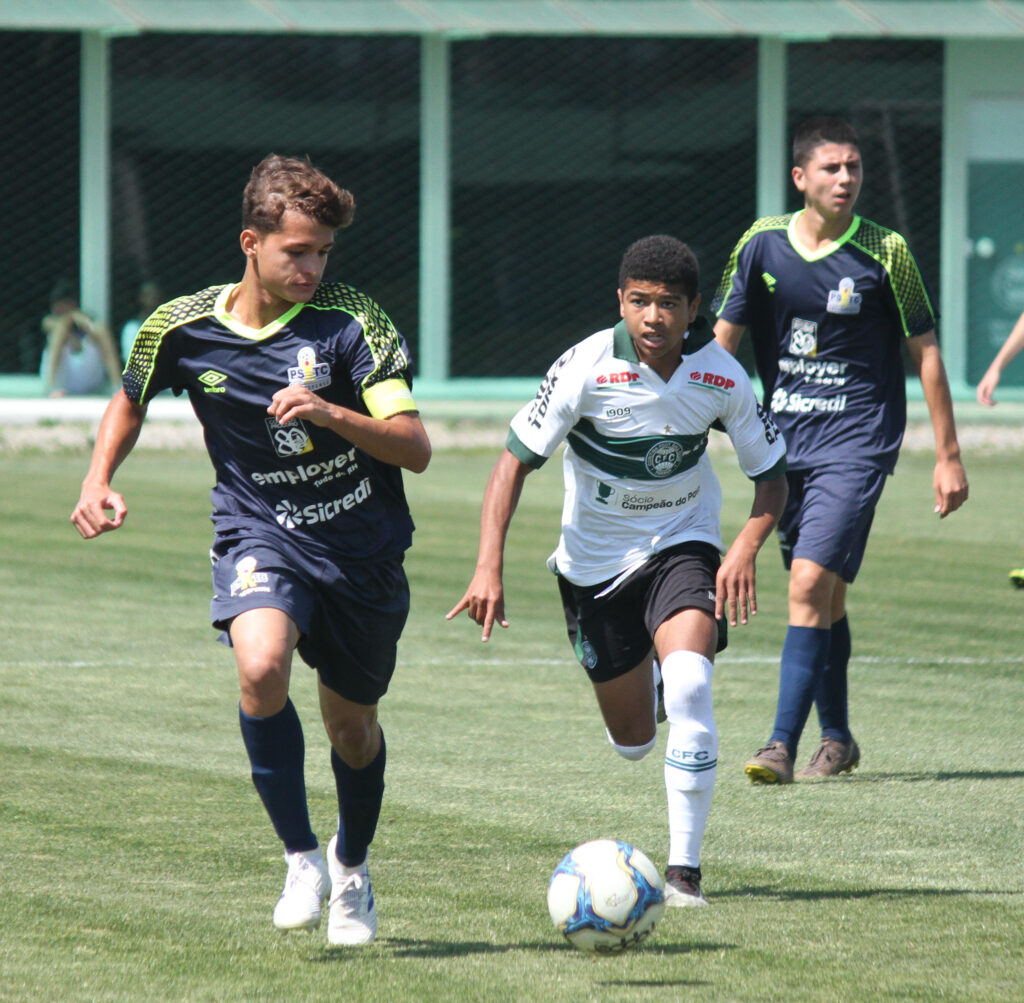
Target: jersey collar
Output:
[(699, 335), (822, 252), (220, 309)]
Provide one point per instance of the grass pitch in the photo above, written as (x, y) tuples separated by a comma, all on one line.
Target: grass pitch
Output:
[(138, 864)]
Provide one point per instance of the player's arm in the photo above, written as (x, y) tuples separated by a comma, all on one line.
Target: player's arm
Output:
[(949, 479), (117, 434), (1011, 347), (728, 334), (485, 597), (399, 439), (736, 592)]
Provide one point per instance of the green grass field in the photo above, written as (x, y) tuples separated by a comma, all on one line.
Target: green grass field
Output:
[(137, 863)]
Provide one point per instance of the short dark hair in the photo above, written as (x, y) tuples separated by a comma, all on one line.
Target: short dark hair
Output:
[(661, 259), (816, 132), (278, 184)]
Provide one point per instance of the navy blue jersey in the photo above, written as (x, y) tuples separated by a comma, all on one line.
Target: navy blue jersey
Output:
[(298, 483), (827, 328)]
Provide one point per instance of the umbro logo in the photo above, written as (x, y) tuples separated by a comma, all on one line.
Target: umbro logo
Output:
[(213, 382)]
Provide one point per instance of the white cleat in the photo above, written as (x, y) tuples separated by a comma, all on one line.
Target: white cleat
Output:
[(353, 915), (306, 887)]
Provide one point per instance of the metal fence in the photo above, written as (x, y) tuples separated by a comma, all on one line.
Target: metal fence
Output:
[(563, 150)]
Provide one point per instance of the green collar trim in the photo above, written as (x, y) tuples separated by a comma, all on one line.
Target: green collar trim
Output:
[(220, 310), (822, 252), (699, 335)]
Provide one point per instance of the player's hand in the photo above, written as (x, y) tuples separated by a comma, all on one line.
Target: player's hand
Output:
[(735, 589), (987, 387), (90, 515), (950, 484), (295, 401), (485, 602)]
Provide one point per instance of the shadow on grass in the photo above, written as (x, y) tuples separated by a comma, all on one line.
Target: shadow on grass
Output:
[(913, 778), (851, 894), (401, 947)]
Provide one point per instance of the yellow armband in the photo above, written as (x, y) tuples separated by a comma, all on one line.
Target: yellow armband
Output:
[(389, 397)]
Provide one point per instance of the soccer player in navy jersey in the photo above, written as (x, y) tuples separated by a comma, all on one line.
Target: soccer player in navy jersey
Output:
[(829, 298), (303, 391)]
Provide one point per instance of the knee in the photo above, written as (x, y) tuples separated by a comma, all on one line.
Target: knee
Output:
[(264, 684), (355, 737), (811, 585)]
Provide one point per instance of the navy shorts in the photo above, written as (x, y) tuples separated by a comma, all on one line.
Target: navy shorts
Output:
[(612, 629), (828, 516), (349, 618)]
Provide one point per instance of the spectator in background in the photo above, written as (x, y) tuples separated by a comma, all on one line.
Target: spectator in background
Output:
[(79, 357), (150, 297)]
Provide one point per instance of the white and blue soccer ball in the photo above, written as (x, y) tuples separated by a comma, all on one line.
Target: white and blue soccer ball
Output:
[(605, 896)]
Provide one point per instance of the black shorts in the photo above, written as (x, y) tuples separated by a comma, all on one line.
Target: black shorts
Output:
[(349, 618), (828, 516), (612, 629)]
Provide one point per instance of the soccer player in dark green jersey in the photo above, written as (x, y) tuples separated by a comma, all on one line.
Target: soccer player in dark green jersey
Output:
[(829, 298), (303, 391)]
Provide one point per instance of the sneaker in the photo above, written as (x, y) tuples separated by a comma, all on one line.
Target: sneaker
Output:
[(772, 765), (682, 886), (353, 915), (832, 758), (1017, 578), (307, 885)]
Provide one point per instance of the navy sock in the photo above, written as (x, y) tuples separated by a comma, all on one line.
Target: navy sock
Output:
[(276, 754), (804, 656), (831, 693), (360, 795)]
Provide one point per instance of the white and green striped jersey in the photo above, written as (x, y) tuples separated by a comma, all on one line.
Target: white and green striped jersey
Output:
[(637, 475)]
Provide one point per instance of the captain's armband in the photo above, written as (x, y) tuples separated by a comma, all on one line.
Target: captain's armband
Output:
[(389, 397)]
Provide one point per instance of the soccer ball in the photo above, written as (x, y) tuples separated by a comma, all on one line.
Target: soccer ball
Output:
[(605, 896)]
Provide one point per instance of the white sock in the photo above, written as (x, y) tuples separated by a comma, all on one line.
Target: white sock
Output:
[(691, 753)]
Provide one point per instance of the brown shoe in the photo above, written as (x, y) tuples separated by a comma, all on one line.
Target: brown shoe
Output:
[(832, 758), (772, 765)]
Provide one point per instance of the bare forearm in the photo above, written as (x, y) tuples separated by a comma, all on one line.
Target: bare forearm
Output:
[(115, 439), (400, 440)]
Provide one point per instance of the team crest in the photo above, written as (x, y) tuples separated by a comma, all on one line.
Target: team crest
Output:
[(803, 337), (844, 299), (588, 657), (291, 439), (248, 579), (309, 373), (664, 458)]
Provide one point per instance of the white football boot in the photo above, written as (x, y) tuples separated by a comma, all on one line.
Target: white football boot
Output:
[(306, 887), (353, 915)]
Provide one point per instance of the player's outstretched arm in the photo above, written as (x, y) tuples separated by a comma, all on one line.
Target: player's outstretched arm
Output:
[(400, 440), (950, 479), (484, 600), (736, 592), (118, 433)]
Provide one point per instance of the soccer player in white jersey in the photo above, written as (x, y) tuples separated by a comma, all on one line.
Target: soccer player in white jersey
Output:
[(830, 298), (303, 391), (638, 562)]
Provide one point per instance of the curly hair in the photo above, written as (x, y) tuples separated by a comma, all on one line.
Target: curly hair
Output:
[(661, 259), (281, 183)]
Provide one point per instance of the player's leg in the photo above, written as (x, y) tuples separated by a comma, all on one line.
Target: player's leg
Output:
[(825, 521), (262, 606), (686, 646), (358, 759), (353, 643), (838, 751), (263, 640)]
